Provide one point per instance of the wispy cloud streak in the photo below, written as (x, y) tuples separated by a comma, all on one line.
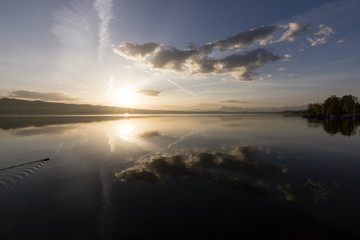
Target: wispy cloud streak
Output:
[(170, 81), (74, 26), (104, 12), (83, 26)]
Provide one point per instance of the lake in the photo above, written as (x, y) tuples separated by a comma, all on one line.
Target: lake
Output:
[(179, 176)]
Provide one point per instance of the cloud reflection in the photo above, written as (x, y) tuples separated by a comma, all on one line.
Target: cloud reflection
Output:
[(149, 134), (239, 170)]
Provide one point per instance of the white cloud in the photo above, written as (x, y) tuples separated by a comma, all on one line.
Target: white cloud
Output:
[(294, 30), (322, 36), (292, 74), (104, 13)]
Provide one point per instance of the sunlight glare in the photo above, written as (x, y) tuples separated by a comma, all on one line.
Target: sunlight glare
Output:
[(125, 97), (126, 131)]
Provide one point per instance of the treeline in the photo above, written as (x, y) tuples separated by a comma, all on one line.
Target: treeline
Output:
[(21, 107), (335, 106)]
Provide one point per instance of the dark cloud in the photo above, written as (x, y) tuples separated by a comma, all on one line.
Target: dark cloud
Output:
[(137, 50), (242, 67), (148, 92), (172, 58), (201, 59), (242, 39), (54, 96)]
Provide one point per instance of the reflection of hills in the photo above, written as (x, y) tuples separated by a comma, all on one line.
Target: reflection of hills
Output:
[(22, 122), (239, 170), (13, 174), (345, 127)]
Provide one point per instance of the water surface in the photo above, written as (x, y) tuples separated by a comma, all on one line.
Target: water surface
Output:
[(108, 177)]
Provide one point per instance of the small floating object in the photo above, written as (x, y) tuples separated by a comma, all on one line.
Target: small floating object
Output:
[(13, 174)]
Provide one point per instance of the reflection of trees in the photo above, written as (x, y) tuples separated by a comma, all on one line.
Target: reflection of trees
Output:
[(345, 127), (239, 170)]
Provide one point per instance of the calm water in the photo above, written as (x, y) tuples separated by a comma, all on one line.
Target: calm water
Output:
[(243, 176)]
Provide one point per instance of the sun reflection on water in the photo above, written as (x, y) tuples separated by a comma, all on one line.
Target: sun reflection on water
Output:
[(126, 131)]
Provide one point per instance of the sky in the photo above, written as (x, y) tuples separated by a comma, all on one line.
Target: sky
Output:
[(180, 54)]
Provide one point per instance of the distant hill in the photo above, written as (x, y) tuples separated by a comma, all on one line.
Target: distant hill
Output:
[(273, 109), (20, 107), (10, 106)]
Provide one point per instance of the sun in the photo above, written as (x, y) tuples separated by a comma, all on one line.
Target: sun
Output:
[(125, 97)]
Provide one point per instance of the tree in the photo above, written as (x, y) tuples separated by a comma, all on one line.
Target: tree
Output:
[(314, 108), (348, 104), (332, 105)]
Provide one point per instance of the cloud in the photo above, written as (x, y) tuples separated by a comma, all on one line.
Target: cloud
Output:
[(238, 62), (74, 26), (281, 69), (292, 74), (243, 39), (235, 101), (104, 12), (148, 92), (172, 58), (53, 96), (241, 66), (341, 40), (82, 27), (322, 36), (130, 50), (265, 76), (294, 30)]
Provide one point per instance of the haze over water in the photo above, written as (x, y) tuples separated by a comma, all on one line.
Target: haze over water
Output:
[(179, 176)]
